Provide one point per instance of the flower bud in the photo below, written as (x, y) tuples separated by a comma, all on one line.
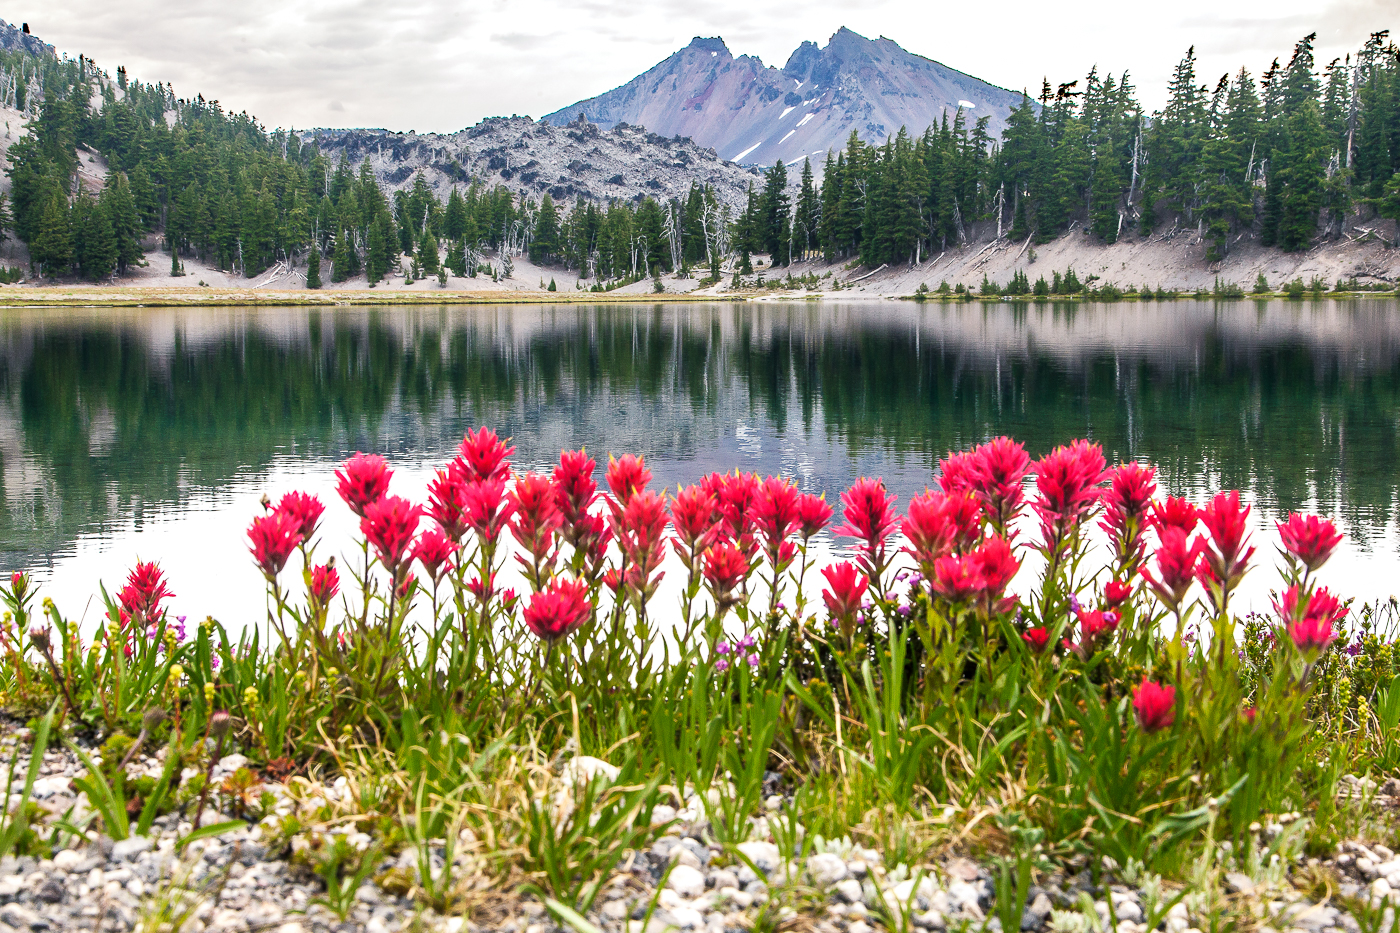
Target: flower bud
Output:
[(152, 718), (209, 693), (219, 724), (19, 582), (176, 672), (39, 638), (250, 696)]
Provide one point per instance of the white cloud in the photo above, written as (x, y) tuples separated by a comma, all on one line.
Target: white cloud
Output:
[(440, 65)]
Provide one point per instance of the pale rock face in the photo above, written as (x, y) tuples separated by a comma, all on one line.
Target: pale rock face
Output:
[(531, 159)]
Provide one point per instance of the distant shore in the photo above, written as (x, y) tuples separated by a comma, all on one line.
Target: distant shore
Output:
[(91, 297)]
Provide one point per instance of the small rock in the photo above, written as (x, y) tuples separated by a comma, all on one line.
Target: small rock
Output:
[(585, 768), (661, 814), (1380, 888), (965, 898), (689, 918), (722, 878), (687, 881), (764, 855), (129, 848), (849, 891), (860, 926), (686, 858), (931, 920), (22, 918), (68, 860), (1037, 912), (826, 869), (50, 892), (1238, 883)]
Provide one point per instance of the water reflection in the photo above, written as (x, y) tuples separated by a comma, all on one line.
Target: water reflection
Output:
[(111, 419)]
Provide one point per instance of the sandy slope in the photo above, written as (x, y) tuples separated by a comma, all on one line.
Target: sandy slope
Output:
[(1174, 262)]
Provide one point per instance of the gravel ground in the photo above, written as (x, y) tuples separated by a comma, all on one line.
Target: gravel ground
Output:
[(236, 882)]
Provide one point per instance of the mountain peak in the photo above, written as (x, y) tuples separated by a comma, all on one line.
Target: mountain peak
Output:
[(711, 44), (753, 114)]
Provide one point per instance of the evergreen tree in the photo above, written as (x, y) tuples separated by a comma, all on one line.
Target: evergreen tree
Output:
[(94, 246), (120, 207), (313, 268), (343, 261), (428, 253), (544, 245), (772, 214), (51, 249)]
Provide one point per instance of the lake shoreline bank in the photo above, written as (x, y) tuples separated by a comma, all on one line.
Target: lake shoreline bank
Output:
[(96, 297)]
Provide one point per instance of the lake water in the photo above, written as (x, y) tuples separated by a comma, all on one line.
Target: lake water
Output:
[(152, 433)]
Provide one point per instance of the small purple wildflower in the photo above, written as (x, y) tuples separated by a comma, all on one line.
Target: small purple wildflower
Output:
[(723, 648), (722, 665), (753, 660), (1074, 602)]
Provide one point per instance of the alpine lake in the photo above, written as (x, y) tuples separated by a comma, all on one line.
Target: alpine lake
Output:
[(131, 433)]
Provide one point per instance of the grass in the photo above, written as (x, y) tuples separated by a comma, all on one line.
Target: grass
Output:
[(524, 746)]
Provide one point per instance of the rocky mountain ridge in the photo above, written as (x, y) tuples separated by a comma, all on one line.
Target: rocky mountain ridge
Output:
[(757, 114), (578, 159), (13, 38)]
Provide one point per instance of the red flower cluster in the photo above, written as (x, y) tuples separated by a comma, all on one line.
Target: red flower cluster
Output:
[(843, 595), (981, 575), (1227, 559), (306, 509), (998, 468), (484, 456), (364, 479), (556, 611), (434, 550), (939, 524), (1067, 489), (1309, 539), (324, 584), (628, 476), (535, 502), (1177, 561), (273, 538), (145, 590), (389, 525), (1126, 504), (1311, 619), (777, 514), (1095, 627), (725, 567), (870, 516), (1155, 705)]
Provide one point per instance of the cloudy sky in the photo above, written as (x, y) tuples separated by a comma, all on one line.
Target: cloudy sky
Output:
[(438, 65)]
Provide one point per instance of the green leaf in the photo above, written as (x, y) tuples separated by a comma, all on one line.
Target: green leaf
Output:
[(570, 916), (206, 832), (16, 826)]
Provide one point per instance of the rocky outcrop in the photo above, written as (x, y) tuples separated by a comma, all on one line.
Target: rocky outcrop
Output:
[(575, 160), (15, 39), (756, 114)]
